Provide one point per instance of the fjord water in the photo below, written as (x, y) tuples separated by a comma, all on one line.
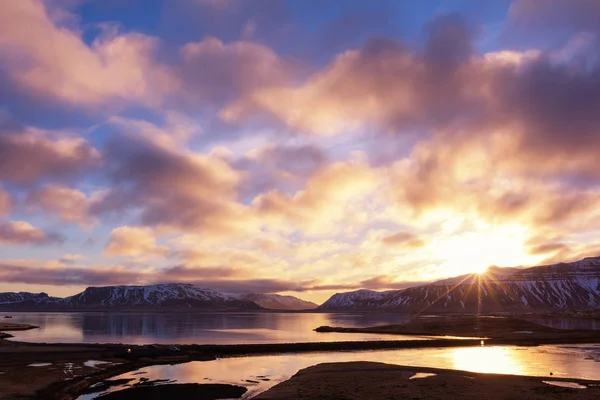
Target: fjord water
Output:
[(261, 372), (218, 328), (197, 328)]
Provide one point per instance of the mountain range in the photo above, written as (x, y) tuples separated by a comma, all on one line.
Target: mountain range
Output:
[(563, 286), (152, 297)]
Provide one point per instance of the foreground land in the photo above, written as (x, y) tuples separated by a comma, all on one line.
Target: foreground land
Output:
[(64, 371), (366, 380), (496, 330)]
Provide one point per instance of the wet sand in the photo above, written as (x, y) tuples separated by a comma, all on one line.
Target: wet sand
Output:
[(365, 380)]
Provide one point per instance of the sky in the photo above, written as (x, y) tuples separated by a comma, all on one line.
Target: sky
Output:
[(299, 147)]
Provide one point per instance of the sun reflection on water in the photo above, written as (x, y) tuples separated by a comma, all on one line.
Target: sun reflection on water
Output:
[(497, 360)]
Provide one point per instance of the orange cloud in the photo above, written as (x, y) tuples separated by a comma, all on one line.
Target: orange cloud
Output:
[(548, 248), (382, 84), (70, 205), (403, 239), (349, 92), (29, 154), (133, 242), (115, 68), (330, 196)]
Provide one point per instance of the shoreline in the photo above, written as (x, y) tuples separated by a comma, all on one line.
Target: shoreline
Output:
[(122, 358), (23, 354)]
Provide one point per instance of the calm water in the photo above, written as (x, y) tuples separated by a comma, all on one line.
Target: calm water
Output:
[(581, 361), (207, 328), (200, 328)]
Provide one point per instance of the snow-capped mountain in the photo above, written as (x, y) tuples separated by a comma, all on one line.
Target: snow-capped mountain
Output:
[(562, 286), (175, 295), (163, 296), (11, 297), (278, 302)]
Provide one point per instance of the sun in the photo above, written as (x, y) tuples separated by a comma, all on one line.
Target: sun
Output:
[(474, 251)]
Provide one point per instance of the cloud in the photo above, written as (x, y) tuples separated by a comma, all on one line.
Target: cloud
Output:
[(355, 89), (115, 68), (72, 258), (531, 103), (387, 282), (172, 188), (133, 242), (554, 105), (188, 273), (403, 239), (23, 233), (548, 248), (482, 177), (216, 72), (281, 167), (24, 272), (28, 155), (331, 195), (6, 202), (236, 259), (529, 15), (177, 130), (70, 205), (18, 272), (221, 279), (293, 159)]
